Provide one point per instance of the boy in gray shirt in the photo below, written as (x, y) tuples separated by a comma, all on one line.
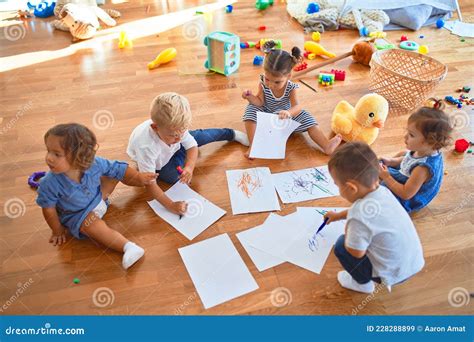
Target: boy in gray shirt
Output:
[(380, 242)]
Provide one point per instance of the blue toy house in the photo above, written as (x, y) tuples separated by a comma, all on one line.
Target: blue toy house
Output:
[(223, 52)]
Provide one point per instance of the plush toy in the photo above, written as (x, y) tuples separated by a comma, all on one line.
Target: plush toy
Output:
[(362, 122), (330, 16), (80, 17), (43, 10)]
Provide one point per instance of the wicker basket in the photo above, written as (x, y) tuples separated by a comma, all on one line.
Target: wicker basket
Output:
[(406, 79)]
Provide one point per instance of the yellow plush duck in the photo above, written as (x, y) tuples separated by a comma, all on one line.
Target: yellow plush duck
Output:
[(363, 122)]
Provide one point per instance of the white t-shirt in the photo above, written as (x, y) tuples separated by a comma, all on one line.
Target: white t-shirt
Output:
[(379, 225), (150, 152)]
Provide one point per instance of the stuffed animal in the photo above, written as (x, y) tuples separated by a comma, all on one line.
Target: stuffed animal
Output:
[(80, 17), (362, 122), (330, 16)]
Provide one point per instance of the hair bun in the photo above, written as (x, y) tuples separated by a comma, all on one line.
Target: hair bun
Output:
[(434, 102)]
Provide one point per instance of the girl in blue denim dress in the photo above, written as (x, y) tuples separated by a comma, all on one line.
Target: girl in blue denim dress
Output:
[(73, 195), (415, 176)]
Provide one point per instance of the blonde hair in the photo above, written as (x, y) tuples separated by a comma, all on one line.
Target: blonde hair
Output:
[(171, 110)]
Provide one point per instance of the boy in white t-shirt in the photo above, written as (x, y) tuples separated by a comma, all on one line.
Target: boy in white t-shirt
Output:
[(164, 145), (380, 242)]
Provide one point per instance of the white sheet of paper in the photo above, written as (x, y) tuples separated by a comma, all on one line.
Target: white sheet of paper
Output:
[(293, 238), (217, 270), (271, 135), (252, 190), (262, 260), (199, 216), (304, 185), (460, 28)]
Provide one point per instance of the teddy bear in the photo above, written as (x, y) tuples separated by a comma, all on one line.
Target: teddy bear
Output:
[(362, 122), (81, 17)]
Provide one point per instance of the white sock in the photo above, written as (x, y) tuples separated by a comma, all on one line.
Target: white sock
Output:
[(131, 254), (346, 281), (241, 138)]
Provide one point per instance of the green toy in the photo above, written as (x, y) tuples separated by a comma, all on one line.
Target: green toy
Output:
[(263, 4)]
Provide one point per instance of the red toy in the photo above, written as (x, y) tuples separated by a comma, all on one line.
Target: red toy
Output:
[(300, 66), (403, 38), (339, 75), (461, 145), (262, 28), (305, 54)]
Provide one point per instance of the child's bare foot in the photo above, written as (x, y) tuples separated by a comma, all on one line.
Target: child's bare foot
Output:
[(332, 144), (247, 154)]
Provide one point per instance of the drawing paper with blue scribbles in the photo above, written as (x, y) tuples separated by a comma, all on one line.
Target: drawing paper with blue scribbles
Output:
[(271, 135), (217, 270), (293, 238), (252, 190), (199, 216), (304, 185)]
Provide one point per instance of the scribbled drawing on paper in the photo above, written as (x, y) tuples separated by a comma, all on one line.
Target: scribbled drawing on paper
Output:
[(315, 241), (248, 184), (308, 183)]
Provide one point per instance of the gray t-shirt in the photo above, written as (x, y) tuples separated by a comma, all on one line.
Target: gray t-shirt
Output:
[(378, 224)]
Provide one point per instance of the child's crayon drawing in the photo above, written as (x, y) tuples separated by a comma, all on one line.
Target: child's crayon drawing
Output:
[(249, 184), (309, 183)]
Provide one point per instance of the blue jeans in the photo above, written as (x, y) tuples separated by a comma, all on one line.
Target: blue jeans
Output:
[(169, 173), (359, 269)]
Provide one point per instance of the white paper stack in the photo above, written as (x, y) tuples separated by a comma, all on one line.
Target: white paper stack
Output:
[(293, 238)]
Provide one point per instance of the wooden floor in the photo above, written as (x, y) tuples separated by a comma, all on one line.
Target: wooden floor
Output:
[(116, 83)]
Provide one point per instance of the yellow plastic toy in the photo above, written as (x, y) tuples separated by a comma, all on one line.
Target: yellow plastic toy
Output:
[(362, 122), (165, 56), (378, 34), (318, 49), (124, 41), (423, 49), (316, 36)]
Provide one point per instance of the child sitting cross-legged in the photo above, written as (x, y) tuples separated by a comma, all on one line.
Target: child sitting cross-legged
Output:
[(164, 145)]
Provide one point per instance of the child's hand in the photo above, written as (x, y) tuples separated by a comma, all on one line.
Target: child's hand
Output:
[(246, 93), (146, 178), (384, 173), (58, 238), (386, 161), (284, 114), (186, 175), (178, 208), (332, 216)]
